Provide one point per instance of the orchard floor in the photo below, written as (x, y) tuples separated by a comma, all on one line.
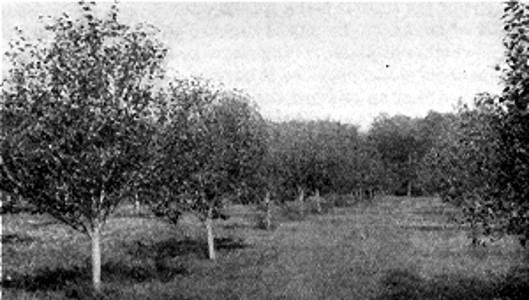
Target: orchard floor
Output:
[(396, 248)]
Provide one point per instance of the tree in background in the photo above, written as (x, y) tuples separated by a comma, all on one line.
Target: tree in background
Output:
[(310, 157), (401, 148), (370, 174), (438, 131), (292, 158), (72, 118), (209, 146)]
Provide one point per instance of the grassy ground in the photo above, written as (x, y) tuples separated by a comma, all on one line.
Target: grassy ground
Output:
[(397, 248)]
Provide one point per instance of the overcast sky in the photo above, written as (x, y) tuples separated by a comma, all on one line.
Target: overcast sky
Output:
[(342, 61)]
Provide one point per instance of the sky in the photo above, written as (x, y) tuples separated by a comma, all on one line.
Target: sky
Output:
[(347, 62)]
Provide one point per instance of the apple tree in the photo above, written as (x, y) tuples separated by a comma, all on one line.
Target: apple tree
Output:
[(209, 146), (73, 117)]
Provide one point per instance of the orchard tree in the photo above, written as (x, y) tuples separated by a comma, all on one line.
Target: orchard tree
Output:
[(486, 161), (368, 170), (466, 164), (440, 133), (309, 154), (73, 117), (514, 130), (285, 165), (209, 147), (400, 146), (322, 156)]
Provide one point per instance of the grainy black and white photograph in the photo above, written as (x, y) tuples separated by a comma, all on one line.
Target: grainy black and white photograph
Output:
[(268, 150)]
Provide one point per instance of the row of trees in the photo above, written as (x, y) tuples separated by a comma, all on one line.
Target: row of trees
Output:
[(476, 157), (89, 119), (402, 143), (320, 156)]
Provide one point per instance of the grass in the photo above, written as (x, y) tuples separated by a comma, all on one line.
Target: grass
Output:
[(396, 248)]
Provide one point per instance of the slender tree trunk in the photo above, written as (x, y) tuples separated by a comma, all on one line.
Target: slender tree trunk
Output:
[(301, 199), (137, 206), (7, 199), (268, 215), (409, 180), (209, 229), (301, 195), (318, 202), (96, 256), (361, 194), (474, 234)]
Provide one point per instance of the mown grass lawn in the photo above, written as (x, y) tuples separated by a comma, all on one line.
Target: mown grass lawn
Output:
[(396, 248)]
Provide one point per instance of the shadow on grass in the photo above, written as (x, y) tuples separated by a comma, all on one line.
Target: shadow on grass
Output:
[(134, 215), (79, 276), (293, 211), (45, 279), (145, 263), (15, 238), (429, 228), (404, 284), (171, 248), (238, 226)]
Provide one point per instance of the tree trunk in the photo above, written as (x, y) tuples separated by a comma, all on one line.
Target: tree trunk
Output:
[(301, 195), (361, 194), (96, 257), (137, 206), (318, 202), (268, 215), (301, 199), (409, 180), (209, 229), (7, 200)]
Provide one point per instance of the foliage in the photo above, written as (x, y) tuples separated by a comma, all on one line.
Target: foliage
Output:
[(465, 162), (15, 204), (514, 145), (369, 170), (209, 144), (439, 132), (401, 147), (482, 162), (71, 115), (317, 156), (515, 126), (516, 67)]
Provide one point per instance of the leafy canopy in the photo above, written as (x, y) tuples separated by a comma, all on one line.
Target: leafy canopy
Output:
[(73, 114), (209, 145)]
